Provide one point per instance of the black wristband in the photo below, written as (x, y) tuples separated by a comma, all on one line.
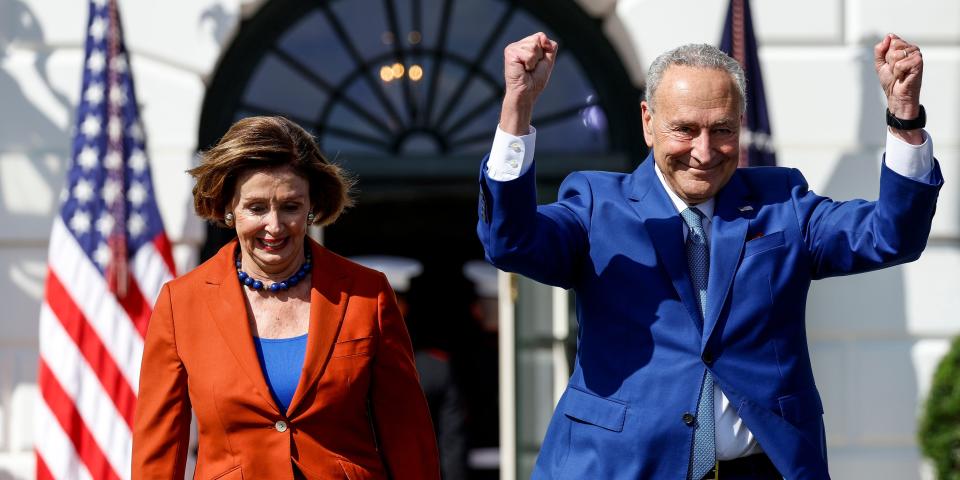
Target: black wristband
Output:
[(913, 124)]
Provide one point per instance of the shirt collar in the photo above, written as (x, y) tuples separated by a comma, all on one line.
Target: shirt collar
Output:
[(706, 208)]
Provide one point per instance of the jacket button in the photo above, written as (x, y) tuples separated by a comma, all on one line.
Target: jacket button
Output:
[(281, 426), (689, 419), (707, 358)]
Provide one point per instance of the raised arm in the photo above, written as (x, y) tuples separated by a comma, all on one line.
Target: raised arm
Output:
[(542, 243), (857, 236)]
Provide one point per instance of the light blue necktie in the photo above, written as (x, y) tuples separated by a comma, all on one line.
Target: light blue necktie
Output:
[(698, 261)]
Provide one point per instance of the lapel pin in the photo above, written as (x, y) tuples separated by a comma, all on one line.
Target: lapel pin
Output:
[(746, 208)]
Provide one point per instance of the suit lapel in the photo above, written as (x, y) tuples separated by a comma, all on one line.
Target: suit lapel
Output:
[(727, 235), (659, 216), (228, 309), (328, 305)]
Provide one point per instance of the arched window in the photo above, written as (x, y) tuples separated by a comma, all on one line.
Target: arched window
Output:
[(406, 94), (401, 78)]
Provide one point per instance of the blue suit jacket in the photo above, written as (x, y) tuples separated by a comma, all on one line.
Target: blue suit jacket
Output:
[(618, 241)]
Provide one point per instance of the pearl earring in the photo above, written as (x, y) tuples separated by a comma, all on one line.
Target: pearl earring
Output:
[(311, 218), (228, 219)]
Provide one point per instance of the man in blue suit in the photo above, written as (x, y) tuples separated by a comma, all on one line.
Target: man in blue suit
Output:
[(691, 275)]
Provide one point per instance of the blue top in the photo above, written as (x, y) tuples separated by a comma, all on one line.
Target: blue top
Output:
[(282, 361)]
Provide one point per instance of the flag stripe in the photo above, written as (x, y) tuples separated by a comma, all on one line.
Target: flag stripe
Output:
[(69, 419), (88, 289), (150, 269), (165, 250), (136, 307), (43, 473), (56, 451), (78, 382), (90, 345)]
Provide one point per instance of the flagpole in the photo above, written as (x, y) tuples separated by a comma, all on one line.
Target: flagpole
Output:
[(118, 240)]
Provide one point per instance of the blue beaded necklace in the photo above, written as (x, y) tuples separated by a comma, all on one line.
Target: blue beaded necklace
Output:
[(246, 279)]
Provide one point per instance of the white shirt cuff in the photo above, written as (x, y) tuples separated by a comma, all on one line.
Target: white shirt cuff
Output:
[(912, 161), (511, 156)]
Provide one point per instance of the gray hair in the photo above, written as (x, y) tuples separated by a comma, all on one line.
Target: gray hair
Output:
[(698, 55)]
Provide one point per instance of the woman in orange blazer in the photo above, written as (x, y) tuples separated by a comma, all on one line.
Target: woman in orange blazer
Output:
[(229, 338)]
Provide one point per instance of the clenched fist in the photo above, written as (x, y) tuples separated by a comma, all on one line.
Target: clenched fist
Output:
[(899, 66), (526, 69)]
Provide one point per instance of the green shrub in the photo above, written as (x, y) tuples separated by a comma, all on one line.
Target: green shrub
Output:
[(939, 432)]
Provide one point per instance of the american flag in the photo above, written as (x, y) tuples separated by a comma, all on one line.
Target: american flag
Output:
[(738, 41), (108, 258)]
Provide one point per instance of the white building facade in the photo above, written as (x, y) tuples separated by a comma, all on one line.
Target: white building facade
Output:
[(875, 338)]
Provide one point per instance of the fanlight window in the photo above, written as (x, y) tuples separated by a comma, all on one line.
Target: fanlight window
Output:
[(411, 77)]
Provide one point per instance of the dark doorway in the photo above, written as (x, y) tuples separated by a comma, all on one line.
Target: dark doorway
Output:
[(432, 228)]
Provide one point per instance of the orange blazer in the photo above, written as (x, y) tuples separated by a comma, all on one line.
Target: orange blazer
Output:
[(358, 411)]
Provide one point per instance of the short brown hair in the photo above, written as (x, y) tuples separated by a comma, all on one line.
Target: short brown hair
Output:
[(257, 143)]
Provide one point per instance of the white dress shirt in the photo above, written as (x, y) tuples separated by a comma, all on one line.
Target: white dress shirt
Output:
[(512, 156)]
